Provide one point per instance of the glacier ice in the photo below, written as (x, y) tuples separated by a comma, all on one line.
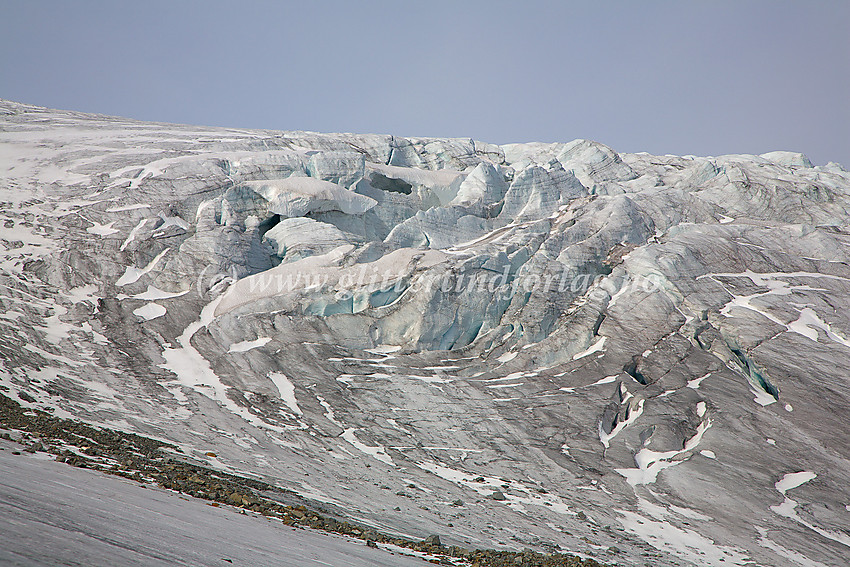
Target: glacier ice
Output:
[(342, 312)]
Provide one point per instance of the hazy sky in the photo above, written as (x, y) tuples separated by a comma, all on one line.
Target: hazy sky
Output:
[(679, 77)]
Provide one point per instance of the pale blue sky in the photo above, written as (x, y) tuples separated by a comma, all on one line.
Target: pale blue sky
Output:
[(680, 77)]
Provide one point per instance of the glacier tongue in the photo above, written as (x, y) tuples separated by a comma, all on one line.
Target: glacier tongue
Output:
[(561, 337)]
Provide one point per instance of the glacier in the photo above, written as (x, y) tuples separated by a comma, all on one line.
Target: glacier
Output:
[(634, 351)]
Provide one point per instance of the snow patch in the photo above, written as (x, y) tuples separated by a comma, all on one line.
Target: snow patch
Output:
[(132, 235), (650, 463), (286, 389), (128, 208), (684, 543), (82, 293), (794, 556), (102, 229), (598, 346), (793, 480), (329, 412), (150, 311), (154, 294), (194, 371), (378, 452), (695, 383), (507, 357), (383, 349), (132, 273), (788, 508), (245, 346), (430, 379), (517, 494), (761, 397), (298, 196), (808, 325), (634, 412), (606, 380), (168, 222)]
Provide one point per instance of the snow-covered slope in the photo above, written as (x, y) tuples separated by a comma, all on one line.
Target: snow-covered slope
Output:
[(530, 345), (109, 521)]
